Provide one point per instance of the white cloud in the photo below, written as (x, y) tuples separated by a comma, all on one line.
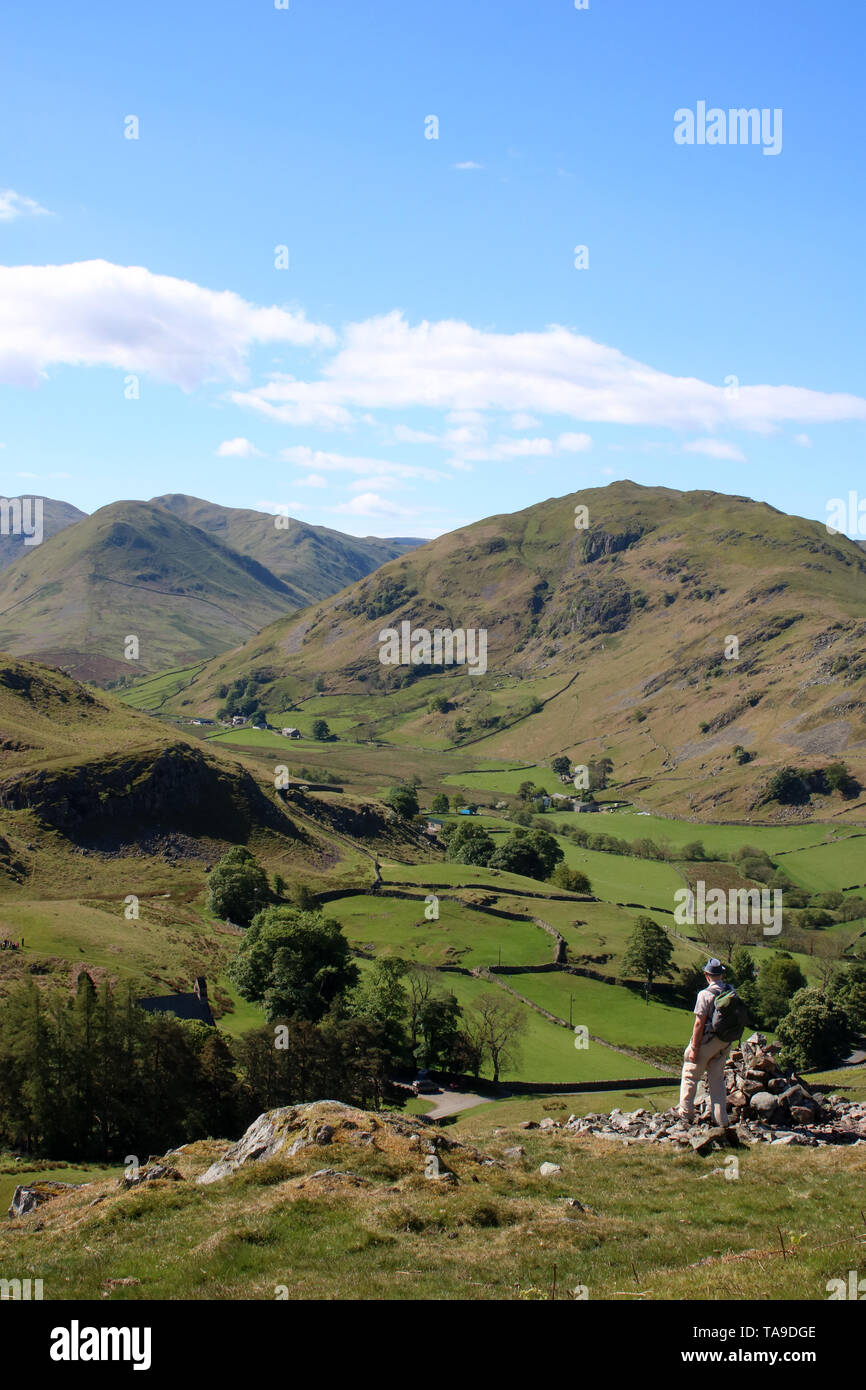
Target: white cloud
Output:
[(522, 421), (319, 460), (312, 480), (27, 475), (467, 164), (539, 447), (402, 434), (386, 363), (239, 448), (573, 443), (93, 313), (715, 449), (372, 504), (14, 205), (803, 440)]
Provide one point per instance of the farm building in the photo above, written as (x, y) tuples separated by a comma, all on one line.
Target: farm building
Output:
[(290, 733)]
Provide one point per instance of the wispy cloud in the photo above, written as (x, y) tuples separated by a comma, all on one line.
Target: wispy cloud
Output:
[(14, 205), (318, 460), (467, 164), (715, 449), (385, 363)]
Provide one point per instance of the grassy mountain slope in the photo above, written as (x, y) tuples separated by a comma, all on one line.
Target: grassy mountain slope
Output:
[(55, 517), (370, 1225), (133, 568), (313, 560), (610, 639)]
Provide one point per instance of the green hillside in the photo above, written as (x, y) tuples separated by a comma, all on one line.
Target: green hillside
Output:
[(56, 516), (132, 569), (609, 640), (314, 560)]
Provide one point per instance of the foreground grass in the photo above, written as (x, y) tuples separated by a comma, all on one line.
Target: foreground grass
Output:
[(650, 1224)]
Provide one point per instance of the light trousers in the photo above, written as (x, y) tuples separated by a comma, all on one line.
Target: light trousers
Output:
[(711, 1059)]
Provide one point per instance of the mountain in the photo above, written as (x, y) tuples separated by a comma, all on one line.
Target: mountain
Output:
[(315, 561), (55, 516), (134, 570), (609, 639)]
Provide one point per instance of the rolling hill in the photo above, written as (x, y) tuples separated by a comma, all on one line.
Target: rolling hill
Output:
[(313, 560), (55, 517), (611, 639), (133, 569)]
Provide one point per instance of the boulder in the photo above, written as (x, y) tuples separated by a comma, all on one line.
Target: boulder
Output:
[(149, 1172), (767, 1107), (548, 1169), (27, 1198)]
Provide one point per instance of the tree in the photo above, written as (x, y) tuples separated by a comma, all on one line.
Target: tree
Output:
[(562, 767), (532, 853), (599, 772), (382, 996), (787, 787), (439, 805), (403, 800), (572, 880), (743, 967), (847, 989), (649, 953), (295, 963), (470, 844), (237, 887), (841, 780), (779, 978), (500, 1022), (440, 1025), (320, 730), (526, 791), (278, 885), (815, 1032)]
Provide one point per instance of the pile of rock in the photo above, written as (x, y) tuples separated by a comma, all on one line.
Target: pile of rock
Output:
[(758, 1089), (765, 1105)]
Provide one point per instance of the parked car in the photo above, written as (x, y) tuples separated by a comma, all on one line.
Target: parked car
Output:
[(426, 1088)]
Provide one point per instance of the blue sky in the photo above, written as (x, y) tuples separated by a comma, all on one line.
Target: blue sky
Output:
[(431, 355)]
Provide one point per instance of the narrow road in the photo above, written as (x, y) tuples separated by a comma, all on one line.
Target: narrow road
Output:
[(452, 1102)]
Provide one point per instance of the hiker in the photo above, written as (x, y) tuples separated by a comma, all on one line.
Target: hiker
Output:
[(706, 1051)]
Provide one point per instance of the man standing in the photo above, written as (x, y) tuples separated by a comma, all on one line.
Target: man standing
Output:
[(706, 1052)]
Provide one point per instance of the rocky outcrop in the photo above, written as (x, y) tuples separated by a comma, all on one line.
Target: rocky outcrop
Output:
[(152, 1171), (173, 787), (331, 1125), (27, 1198)]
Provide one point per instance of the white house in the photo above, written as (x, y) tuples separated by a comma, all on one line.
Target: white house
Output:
[(291, 733)]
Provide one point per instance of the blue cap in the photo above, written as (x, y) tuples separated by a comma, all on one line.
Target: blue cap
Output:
[(714, 967)]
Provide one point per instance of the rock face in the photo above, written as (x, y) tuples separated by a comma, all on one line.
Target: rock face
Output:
[(27, 1199), (330, 1124)]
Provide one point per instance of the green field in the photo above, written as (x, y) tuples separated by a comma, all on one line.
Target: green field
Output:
[(150, 694), (547, 1051), (459, 936)]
